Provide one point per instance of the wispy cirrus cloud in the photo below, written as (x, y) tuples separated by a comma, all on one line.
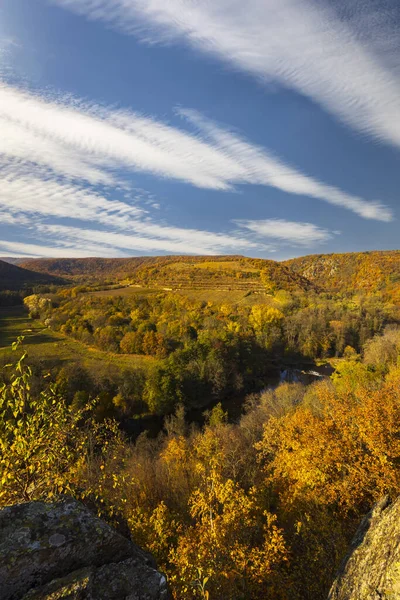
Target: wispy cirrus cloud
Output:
[(44, 196), (85, 141), (340, 56), (162, 240), (292, 232), (124, 228), (53, 250)]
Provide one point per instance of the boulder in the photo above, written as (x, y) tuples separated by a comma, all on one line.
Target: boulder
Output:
[(62, 550), (371, 571)]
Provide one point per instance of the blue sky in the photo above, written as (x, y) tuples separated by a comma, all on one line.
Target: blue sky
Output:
[(268, 128)]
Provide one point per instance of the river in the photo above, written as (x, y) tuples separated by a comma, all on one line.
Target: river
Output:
[(233, 405)]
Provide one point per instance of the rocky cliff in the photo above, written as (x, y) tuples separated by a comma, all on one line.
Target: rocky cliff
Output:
[(371, 570), (62, 551)]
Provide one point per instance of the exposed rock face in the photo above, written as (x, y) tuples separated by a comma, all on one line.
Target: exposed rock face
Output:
[(62, 551), (372, 569)]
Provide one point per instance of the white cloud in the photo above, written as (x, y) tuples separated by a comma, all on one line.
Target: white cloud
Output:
[(265, 169), (31, 201), (173, 240), (70, 139), (290, 232), (10, 248), (23, 194), (8, 218), (346, 65)]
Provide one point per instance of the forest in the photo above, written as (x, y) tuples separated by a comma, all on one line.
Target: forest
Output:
[(201, 352), (252, 485)]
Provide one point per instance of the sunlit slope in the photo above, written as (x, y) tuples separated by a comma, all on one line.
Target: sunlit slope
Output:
[(83, 269), (367, 271), (225, 273)]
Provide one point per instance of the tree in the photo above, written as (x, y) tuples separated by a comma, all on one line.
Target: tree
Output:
[(383, 350), (263, 316), (108, 338), (162, 391), (132, 343), (43, 441), (233, 543), (154, 344), (344, 456)]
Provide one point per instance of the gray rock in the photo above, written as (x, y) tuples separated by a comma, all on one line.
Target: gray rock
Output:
[(126, 580), (62, 550), (371, 571)]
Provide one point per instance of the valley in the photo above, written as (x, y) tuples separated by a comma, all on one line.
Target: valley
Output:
[(161, 390)]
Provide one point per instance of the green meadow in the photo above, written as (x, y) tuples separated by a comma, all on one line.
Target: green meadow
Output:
[(54, 349)]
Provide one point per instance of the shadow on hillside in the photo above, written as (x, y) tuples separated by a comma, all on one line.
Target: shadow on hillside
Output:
[(7, 338)]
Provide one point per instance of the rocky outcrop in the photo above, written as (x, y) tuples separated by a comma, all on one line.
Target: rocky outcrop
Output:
[(371, 571), (63, 551)]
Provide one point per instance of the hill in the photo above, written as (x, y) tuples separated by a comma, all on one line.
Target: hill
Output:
[(357, 271), (80, 269), (364, 271), (13, 260), (17, 278), (178, 272)]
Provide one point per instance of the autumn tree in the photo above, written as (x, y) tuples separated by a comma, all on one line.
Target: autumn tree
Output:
[(43, 441)]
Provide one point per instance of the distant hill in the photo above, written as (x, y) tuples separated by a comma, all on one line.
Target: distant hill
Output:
[(367, 271), (13, 260), (364, 271), (81, 268), (178, 272), (17, 278)]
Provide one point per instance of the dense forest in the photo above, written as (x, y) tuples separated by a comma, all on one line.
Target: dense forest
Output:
[(201, 352), (252, 503)]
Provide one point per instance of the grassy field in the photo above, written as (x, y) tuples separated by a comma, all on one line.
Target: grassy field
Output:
[(216, 296), (54, 349), (212, 266), (14, 321), (226, 296), (126, 291)]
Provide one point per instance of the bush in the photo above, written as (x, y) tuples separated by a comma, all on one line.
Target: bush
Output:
[(44, 442)]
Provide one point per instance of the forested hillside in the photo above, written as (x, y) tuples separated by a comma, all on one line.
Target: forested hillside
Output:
[(83, 268), (364, 271), (15, 278)]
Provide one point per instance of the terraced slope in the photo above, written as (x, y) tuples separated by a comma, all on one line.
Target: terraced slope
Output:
[(222, 273), (179, 272)]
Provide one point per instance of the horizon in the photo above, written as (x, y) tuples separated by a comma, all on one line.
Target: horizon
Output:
[(189, 256), (268, 129)]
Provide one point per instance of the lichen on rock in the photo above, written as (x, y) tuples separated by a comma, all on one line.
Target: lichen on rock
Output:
[(60, 550), (371, 571)]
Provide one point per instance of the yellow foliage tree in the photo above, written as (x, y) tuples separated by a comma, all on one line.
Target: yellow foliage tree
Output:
[(43, 441), (344, 457), (233, 543), (261, 316)]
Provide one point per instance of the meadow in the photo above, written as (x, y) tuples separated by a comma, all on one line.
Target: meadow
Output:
[(123, 292), (54, 349), (211, 294)]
